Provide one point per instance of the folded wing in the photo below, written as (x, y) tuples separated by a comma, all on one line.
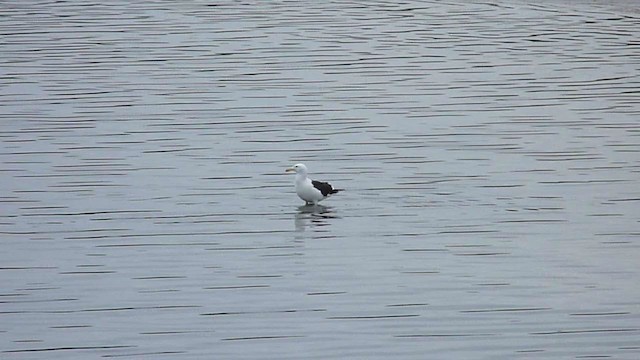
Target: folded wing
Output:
[(325, 188)]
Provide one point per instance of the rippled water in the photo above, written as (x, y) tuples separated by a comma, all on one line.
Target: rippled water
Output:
[(489, 152)]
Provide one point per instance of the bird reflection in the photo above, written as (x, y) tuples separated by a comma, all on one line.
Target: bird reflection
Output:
[(314, 216)]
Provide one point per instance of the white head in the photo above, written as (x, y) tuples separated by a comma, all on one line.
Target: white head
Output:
[(298, 169)]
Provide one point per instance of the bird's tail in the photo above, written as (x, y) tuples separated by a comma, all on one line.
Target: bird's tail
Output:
[(335, 191)]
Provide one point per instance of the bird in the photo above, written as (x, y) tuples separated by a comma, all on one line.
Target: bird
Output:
[(311, 191)]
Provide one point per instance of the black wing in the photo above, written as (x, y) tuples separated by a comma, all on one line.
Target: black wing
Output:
[(325, 188)]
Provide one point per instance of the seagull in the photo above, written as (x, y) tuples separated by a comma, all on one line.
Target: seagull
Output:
[(311, 191)]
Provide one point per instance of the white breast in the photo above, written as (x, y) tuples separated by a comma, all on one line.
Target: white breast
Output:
[(307, 192)]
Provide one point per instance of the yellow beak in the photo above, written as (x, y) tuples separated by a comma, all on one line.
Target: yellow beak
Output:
[(290, 170)]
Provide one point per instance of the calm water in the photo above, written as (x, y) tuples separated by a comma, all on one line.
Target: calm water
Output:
[(490, 154)]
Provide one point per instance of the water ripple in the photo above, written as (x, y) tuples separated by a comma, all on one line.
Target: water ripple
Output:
[(488, 152)]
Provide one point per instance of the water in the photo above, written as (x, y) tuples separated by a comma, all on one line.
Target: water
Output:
[(489, 152)]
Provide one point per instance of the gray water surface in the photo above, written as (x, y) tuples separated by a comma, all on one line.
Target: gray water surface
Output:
[(489, 152)]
